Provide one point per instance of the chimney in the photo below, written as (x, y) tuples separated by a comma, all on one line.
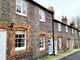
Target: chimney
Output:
[(64, 19), (50, 7), (72, 24)]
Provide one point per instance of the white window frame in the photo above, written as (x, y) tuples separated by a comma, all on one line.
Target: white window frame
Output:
[(75, 31), (41, 15), (72, 31), (21, 48), (79, 33), (59, 27), (44, 44), (66, 28), (21, 8)]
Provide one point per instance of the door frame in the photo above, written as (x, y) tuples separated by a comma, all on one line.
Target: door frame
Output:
[(49, 43), (1, 29)]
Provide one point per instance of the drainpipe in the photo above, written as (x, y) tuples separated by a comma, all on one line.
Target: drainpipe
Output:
[(53, 34), (50, 7)]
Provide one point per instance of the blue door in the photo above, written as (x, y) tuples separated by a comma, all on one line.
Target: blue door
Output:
[(50, 45)]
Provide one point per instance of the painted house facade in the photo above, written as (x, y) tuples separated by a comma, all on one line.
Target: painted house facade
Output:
[(25, 26)]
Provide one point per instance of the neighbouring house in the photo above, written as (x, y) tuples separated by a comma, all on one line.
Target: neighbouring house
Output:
[(66, 35), (26, 30)]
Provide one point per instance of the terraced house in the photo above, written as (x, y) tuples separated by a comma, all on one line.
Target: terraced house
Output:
[(22, 22), (26, 27), (65, 35)]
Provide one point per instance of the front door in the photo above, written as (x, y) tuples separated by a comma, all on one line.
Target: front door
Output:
[(3, 40), (55, 45), (50, 45)]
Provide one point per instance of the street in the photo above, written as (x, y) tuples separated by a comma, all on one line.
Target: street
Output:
[(74, 56)]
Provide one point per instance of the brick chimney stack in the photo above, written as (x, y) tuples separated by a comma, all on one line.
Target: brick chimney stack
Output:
[(64, 19)]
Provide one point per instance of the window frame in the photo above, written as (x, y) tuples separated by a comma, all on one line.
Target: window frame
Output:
[(72, 31), (66, 28), (42, 48), (59, 27), (21, 8), (42, 15), (24, 47)]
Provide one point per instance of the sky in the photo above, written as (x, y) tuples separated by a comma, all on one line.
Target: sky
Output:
[(69, 8)]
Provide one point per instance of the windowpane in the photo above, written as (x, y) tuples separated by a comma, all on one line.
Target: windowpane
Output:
[(19, 44), (16, 36), (24, 7), (22, 44), (18, 8), (18, 1)]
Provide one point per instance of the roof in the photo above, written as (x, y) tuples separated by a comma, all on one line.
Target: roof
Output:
[(35, 3), (65, 24)]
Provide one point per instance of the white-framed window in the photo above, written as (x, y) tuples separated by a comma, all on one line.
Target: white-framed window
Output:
[(75, 31), (72, 31), (59, 27), (79, 33), (66, 28), (41, 15), (21, 7), (42, 42), (20, 39), (60, 43)]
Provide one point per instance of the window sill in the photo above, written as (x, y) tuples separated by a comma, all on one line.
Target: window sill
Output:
[(41, 49), (20, 48), (42, 20), (21, 14)]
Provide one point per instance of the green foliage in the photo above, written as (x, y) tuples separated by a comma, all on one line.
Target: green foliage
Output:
[(12, 58), (1, 21), (63, 51)]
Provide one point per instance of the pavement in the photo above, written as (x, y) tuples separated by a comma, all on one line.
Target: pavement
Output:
[(59, 57), (74, 56)]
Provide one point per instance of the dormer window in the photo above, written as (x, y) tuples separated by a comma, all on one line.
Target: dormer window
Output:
[(21, 7), (41, 15)]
